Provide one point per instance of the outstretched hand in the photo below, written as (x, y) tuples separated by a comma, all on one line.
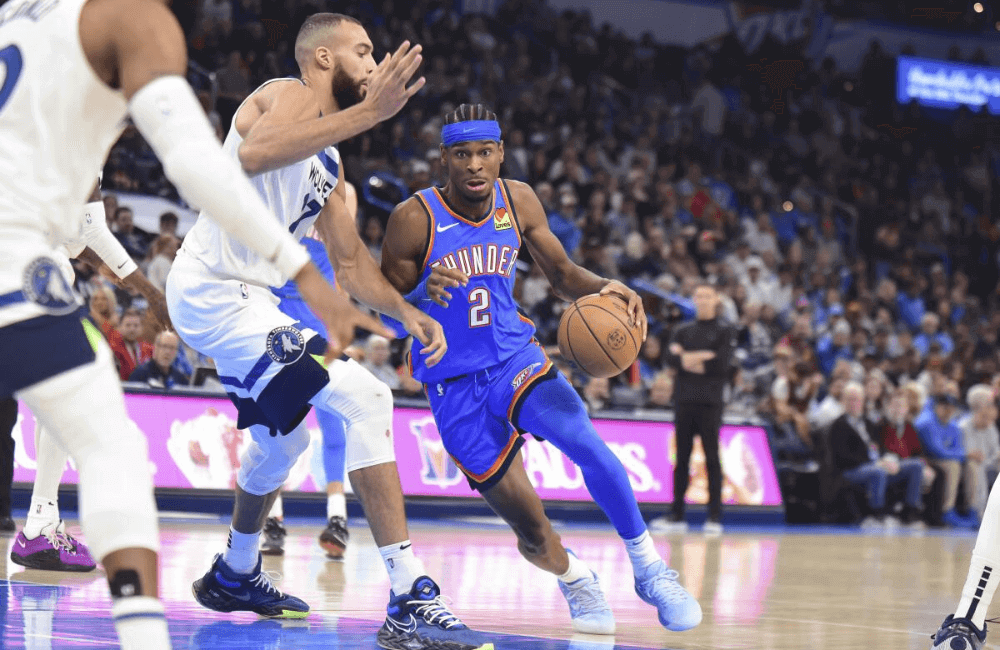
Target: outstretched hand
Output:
[(387, 89)]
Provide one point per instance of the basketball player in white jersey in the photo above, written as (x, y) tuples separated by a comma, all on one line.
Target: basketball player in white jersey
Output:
[(44, 543), (72, 71), (966, 628), (220, 301)]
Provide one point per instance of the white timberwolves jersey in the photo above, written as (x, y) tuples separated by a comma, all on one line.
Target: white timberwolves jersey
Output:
[(58, 121), (295, 195)]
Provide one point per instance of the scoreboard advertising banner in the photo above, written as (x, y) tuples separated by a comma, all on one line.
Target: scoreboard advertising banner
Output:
[(194, 443)]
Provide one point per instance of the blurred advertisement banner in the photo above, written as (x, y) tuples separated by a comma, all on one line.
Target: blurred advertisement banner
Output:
[(194, 443), (947, 84)]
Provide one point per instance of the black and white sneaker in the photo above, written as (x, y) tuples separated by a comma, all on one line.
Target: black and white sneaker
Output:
[(959, 634), (272, 542), (334, 538)]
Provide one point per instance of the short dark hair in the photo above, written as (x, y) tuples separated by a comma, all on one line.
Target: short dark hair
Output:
[(316, 23), (120, 209), (168, 217), (132, 311), (469, 113)]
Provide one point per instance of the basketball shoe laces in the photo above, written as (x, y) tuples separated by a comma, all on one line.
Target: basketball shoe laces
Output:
[(588, 597), (667, 581), (60, 541), (263, 580), (435, 612)]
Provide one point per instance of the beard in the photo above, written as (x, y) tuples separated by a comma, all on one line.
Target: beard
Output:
[(346, 91)]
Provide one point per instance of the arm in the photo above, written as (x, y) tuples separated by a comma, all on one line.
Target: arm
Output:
[(360, 276), (284, 126), (718, 364), (569, 281), (138, 46)]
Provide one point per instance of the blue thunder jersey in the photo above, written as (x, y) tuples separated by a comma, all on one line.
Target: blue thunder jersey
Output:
[(317, 250), (481, 323)]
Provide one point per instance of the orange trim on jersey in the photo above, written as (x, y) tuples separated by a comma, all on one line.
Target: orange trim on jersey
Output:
[(510, 210), (501, 459), (527, 382), (486, 220), (526, 320), (430, 243)]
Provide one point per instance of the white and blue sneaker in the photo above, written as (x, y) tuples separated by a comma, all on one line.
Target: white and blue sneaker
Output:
[(959, 634), (224, 590), (421, 620), (677, 609), (588, 608)]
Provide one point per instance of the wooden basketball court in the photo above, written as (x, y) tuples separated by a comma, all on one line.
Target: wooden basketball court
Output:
[(778, 589)]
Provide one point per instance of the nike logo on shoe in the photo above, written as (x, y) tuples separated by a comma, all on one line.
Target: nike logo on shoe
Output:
[(228, 583), (440, 229), (22, 544), (409, 628)]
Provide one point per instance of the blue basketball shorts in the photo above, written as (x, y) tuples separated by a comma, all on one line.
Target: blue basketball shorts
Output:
[(473, 413), (39, 348)]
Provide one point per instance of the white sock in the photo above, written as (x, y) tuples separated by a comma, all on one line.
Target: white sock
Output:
[(277, 509), (982, 581), (642, 552), (42, 512), (336, 505), (403, 566), (577, 570), (241, 551), (140, 623)]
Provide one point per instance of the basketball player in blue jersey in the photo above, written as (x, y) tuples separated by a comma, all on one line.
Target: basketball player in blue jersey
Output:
[(454, 250)]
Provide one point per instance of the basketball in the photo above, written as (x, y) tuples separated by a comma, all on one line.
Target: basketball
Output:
[(594, 333)]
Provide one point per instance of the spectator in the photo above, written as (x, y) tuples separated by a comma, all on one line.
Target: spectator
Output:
[(982, 444), (134, 240), (834, 346), (377, 355), (760, 287), (169, 223), (899, 437), (930, 334), (856, 455), (792, 397), (159, 372), (104, 313), (129, 351), (831, 407), (563, 223), (942, 440), (596, 394), (650, 360), (661, 391), (163, 251)]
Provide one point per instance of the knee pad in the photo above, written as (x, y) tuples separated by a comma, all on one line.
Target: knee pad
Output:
[(366, 404), (84, 411), (268, 460)]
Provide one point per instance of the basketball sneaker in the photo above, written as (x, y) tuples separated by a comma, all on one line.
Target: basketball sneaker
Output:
[(272, 542), (53, 550), (677, 609), (421, 620), (334, 538), (588, 608), (959, 634), (223, 590), (667, 526)]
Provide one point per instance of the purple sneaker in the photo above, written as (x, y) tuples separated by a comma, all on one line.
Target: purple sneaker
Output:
[(53, 550)]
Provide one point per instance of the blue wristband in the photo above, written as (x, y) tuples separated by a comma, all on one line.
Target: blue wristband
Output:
[(419, 294)]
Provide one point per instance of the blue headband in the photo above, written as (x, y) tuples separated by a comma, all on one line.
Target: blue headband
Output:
[(472, 131)]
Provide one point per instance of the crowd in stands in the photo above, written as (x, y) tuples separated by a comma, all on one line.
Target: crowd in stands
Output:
[(861, 266)]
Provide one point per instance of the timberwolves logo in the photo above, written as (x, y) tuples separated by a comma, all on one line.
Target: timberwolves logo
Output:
[(436, 466), (616, 339), (285, 345), (45, 286)]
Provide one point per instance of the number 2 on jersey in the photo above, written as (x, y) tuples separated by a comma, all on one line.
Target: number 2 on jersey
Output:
[(10, 56), (479, 316)]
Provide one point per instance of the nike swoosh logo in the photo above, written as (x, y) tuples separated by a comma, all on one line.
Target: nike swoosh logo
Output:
[(21, 543), (405, 546), (440, 229), (122, 264), (409, 628)]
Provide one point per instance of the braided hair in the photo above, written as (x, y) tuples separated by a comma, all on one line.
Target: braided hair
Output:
[(469, 113)]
